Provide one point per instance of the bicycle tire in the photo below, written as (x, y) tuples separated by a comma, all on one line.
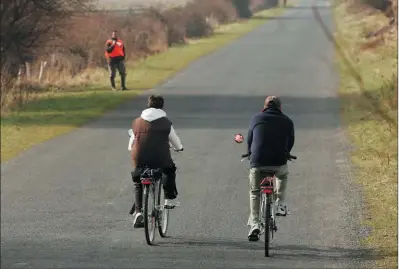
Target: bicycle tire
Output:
[(148, 237), (162, 227), (267, 225)]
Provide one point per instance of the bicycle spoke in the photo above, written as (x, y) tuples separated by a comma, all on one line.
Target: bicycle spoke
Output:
[(163, 213)]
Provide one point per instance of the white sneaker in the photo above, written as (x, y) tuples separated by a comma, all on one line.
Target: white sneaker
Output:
[(171, 203), (254, 233), (138, 220), (281, 210)]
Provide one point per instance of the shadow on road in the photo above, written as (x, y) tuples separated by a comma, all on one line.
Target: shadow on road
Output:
[(202, 111), (291, 252), (179, 252)]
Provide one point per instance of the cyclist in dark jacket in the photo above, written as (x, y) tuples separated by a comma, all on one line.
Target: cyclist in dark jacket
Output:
[(270, 140)]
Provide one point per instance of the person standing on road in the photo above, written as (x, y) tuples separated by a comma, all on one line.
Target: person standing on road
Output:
[(270, 140), (115, 55)]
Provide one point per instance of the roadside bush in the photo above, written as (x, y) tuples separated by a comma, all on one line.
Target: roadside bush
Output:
[(195, 20), (243, 8), (221, 10), (378, 4), (26, 28), (257, 5), (388, 7), (173, 19)]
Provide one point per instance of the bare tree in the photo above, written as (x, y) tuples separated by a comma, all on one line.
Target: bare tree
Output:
[(26, 25)]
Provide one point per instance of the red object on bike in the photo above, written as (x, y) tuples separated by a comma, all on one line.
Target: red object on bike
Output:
[(267, 181), (146, 181), (239, 138), (267, 185), (267, 190)]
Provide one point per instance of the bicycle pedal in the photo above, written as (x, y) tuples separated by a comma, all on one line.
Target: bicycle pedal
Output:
[(170, 206)]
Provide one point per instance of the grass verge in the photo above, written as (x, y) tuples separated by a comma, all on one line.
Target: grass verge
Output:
[(369, 107), (55, 113)]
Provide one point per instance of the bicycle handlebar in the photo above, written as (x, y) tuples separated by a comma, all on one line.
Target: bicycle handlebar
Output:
[(290, 157)]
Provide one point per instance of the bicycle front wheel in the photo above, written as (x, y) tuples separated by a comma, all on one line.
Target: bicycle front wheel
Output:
[(149, 214), (268, 223), (163, 217)]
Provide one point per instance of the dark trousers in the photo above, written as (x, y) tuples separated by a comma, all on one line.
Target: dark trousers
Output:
[(169, 185), (117, 64)]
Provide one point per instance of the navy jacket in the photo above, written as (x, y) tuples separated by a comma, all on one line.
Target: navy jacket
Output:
[(270, 138)]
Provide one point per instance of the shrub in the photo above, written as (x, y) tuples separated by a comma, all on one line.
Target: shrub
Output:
[(243, 8)]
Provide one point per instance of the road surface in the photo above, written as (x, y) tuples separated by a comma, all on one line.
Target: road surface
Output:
[(65, 202)]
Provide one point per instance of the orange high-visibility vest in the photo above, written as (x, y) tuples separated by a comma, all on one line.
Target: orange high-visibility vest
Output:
[(117, 51)]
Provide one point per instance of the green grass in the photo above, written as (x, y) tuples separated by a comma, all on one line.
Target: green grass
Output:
[(53, 114), (369, 111)]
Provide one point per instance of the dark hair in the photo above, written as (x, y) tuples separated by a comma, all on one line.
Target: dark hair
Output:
[(272, 102), (155, 101)]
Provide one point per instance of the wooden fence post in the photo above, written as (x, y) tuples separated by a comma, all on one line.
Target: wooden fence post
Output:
[(20, 73), (42, 66), (28, 70)]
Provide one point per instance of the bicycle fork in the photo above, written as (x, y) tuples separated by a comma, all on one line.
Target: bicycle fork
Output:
[(268, 199), (273, 213)]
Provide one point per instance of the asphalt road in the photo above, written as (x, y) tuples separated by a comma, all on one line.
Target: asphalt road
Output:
[(65, 203)]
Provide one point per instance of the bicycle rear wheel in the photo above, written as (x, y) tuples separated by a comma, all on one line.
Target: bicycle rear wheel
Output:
[(149, 214), (163, 217), (268, 223)]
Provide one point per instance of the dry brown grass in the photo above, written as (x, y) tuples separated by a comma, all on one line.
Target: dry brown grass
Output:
[(370, 74)]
